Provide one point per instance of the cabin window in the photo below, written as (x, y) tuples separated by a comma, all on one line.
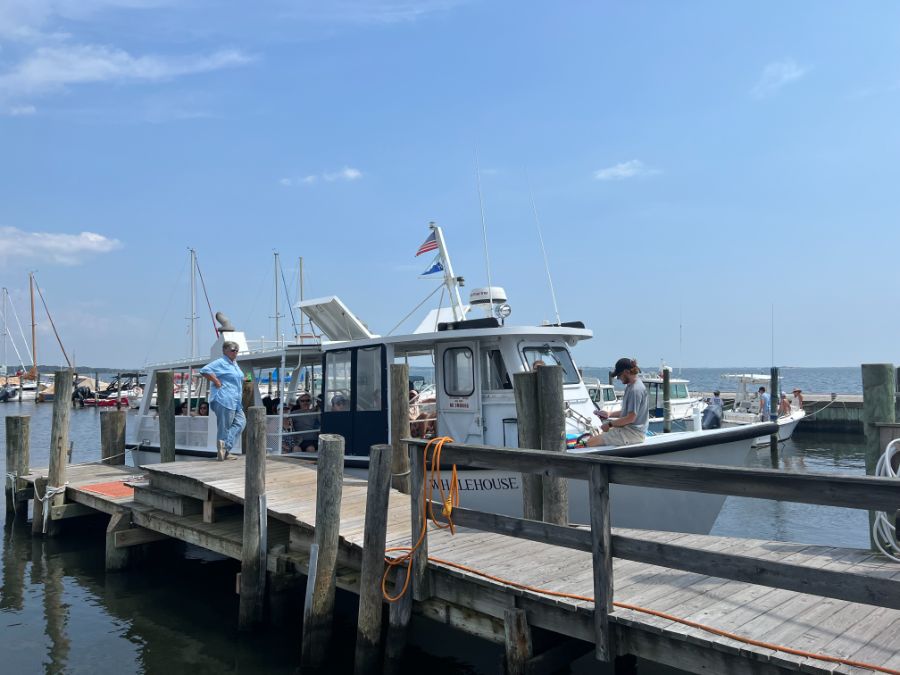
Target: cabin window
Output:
[(494, 374), (554, 355), (337, 381), (459, 372), (368, 379), (654, 395), (679, 390), (609, 395)]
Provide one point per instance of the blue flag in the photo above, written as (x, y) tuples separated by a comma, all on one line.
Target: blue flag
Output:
[(436, 266)]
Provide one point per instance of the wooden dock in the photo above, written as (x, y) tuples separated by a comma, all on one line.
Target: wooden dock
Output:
[(488, 583)]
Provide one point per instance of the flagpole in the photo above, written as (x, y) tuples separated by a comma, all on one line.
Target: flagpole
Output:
[(450, 280)]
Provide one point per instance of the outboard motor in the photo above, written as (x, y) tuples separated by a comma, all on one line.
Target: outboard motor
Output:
[(712, 417)]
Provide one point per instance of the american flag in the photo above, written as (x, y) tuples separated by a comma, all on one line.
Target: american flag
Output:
[(429, 244)]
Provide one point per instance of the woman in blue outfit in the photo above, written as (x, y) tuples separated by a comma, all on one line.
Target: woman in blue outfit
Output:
[(227, 379)]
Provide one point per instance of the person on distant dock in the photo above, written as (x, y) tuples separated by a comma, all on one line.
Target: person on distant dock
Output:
[(628, 425), (797, 403), (765, 403), (227, 379), (784, 406)]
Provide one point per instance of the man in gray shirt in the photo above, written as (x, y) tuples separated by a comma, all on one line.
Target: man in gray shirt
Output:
[(627, 425)]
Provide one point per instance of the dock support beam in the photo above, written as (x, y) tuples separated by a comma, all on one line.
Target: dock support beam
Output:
[(399, 426), (255, 544), (528, 425), (319, 606), (117, 558), (878, 408), (112, 437), (17, 459), (165, 399), (368, 629)]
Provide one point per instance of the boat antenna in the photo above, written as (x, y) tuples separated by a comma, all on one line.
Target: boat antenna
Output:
[(53, 325), (287, 297), (278, 314), (192, 319), (537, 222), (487, 260), (680, 338), (212, 317)]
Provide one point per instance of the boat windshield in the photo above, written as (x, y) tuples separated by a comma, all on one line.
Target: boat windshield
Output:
[(553, 355)]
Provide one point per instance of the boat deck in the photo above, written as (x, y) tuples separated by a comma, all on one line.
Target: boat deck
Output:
[(197, 503)]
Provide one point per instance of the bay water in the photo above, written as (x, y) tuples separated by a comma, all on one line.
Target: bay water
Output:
[(176, 612)]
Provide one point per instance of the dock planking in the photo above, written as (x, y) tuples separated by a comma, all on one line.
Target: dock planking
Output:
[(472, 602)]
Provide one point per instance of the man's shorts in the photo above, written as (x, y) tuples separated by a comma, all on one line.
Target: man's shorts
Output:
[(623, 436)]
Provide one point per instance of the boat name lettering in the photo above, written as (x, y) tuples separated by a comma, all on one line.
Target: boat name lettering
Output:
[(459, 403), (474, 484)]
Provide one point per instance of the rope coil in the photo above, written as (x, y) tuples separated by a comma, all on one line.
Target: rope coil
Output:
[(883, 531), (49, 493), (12, 481)]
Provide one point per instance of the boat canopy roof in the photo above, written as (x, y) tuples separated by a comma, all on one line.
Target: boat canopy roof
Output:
[(748, 378), (334, 319)]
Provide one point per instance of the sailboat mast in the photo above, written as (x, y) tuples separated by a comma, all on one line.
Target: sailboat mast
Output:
[(33, 327), (5, 336), (193, 317), (300, 295), (277, 315), (450, 279)]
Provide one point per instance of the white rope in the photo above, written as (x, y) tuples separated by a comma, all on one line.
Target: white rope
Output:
[(883, 530), (49, 493), (11, 479)]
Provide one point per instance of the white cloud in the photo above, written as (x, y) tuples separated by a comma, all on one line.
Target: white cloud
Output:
[(346, 174), (623, 170), (21, 110), (776, 75), (65, 249), (55, 67), (372, 11)]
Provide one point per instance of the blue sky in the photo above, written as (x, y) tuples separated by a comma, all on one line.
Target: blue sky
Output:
[(693, 164)]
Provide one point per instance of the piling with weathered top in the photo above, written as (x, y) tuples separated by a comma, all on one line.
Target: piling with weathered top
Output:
[(255, 538), (399, 426), (54, 493), (667, 401), (529, 432), (551, 403), (165, 402), (17, 459), (112, 437), (878, 408), (318, 610), (368, 628), (774, 402)]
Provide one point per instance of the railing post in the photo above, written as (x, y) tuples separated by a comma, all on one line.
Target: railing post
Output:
[(421, 589), (399, 426), (112, 437), (59, 445), (551, 402), (17, 459), (368, 628), (667, 400), (165, 402), (319, 609), (774, 401), (528, 425), (254, 549), (601, 546)]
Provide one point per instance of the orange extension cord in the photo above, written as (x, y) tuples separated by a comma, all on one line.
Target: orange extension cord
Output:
[(451, 499)]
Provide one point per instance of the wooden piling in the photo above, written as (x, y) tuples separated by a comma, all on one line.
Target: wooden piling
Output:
[(399, 426), (399, 616), (528, 425), (112, 437), (117, 559), (878, 408), (551, 403), (421, 587), (37, 515), (59, 442), (368, 629), (517, 637), (601, 546), (254, 549), (774, 402), (17, 459), (165, 401), (667, 401), (319, 605)]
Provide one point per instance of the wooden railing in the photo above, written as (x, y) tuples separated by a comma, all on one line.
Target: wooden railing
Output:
[(600, 471)]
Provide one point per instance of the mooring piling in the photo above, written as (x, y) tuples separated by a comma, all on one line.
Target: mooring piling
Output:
[(17, 459), (399, 426), (254, 550), (318, 615), (54, 492), (112, 437), (368, 628), (529, 426), (667, 400), (774, 402), (879, 398), (165, 400), (551, 403)]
